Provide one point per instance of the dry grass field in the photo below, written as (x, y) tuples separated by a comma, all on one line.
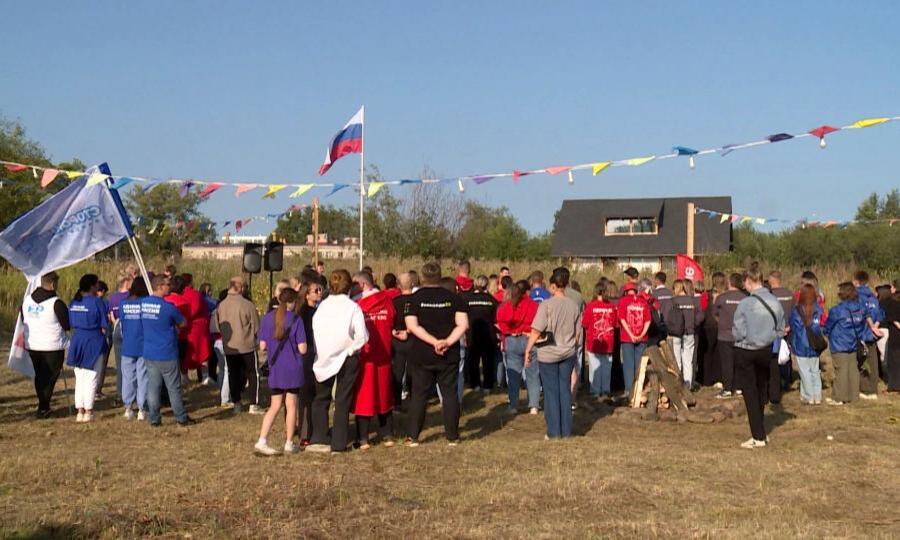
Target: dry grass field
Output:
[(619, 477)]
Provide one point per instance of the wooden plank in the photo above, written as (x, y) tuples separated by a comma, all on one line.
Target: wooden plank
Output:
[(638, 388)]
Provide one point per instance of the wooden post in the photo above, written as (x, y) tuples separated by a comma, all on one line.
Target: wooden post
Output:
[(691, 212), (315, 232)]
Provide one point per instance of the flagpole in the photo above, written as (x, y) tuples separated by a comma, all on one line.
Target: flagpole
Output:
[(362, 182)]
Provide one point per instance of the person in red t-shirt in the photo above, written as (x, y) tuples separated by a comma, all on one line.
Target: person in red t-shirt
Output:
[(463, 281), (634, 322), (514, 317), (600, 320)]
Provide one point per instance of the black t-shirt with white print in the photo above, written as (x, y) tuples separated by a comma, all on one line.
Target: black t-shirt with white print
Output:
[(435, 309)]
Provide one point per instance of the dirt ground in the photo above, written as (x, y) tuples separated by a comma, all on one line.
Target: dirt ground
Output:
[(829, 472)]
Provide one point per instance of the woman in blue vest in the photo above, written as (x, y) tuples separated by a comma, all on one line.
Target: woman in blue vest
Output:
[(845, 327), (807, 316), (87, 348), (134, 372)]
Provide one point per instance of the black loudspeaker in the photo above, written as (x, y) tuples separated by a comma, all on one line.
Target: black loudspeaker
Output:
[(252, 262), (274, 259)]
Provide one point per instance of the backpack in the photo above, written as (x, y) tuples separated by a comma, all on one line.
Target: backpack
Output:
[(657, 331), (675, 324)]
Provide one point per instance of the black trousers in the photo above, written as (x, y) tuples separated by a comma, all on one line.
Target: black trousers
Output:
[(707, 361), (212, 363), (482, 353), (385, 426), (422, 380), (243, 369), (402, 351), (343, 402), (752, 369), (774, 393), (47, 365), (725, 351)]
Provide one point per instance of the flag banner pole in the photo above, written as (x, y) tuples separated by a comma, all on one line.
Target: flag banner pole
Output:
[(362, 190)]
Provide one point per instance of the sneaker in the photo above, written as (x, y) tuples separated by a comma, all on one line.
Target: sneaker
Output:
[(88, 417), (256, 409), (453, 443), (237, 408), (226, 405), (129, 414), (739, 392), (208, 382), (753, 443), (718, 386), (867, 396), (833, 402), (319, 448), (43, 414), (155, 424), (141, 415), (389, 443), (411, 443), (186, 422), (724, 394), (291, 448), (264, 449), (533, 411), (511, 411), (79, 418)]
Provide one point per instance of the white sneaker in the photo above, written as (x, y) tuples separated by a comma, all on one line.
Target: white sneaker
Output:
[(833, 402), (264, 449), (207, 382), (739, 392), (533, 411), (88, 417), (291, 448), (256, 409), (753, 443), (79, 418), (140, 415), (867, 396), (318, 448), (129, 414), (718, 386)]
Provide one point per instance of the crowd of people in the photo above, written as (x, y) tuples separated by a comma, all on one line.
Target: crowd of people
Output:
[(338, 344)]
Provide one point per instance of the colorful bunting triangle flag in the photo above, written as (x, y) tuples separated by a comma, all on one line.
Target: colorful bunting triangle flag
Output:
[(48, 177), (209, 189), (150, 185), (238, 225), (479, 179), (779, 137), (760, 221), (301, 190), (684, 151), (600, 167), (73, 174), (121, 182), (95, 178), (869, 122), (725, 217), (186, 187), (336, 188), (270, 194), (374, 187), (634, 162), (15, 167), (727, 149), (556, 170), (745, 219), (821, 131), (244, 188), (519, 174)]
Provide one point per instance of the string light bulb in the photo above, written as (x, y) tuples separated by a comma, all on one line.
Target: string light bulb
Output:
[(462, 188), (571, 178), (691, 163), (822, 142)]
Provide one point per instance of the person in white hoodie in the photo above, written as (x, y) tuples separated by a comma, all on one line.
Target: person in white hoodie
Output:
[(340, 330)]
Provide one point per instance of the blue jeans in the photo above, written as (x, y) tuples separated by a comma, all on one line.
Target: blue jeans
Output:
[(515, 368), (134, 381), (631, 360), (500, 362), (158, 373), (557, 381), (810, 378), (600, 373)]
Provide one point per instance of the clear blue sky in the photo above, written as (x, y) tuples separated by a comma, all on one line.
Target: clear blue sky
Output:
[(254, 91)]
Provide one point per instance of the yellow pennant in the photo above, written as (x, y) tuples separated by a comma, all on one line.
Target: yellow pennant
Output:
[(869, 122), (95, 179), (760, 221), (374, 187), (745, 219), (724, 218), (270, 194), (74, 174), (634, 162), (600, 167), (301, 190)]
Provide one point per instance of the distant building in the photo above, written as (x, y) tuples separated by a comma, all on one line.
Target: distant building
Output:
[(644, 233), (233, 247)]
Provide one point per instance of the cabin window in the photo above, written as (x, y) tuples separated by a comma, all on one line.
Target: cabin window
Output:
[(630, 226)]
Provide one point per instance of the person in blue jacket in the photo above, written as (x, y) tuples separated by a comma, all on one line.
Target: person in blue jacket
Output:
[(88, 346), (134, 371), (807, 314), (844, 328), (868, 377)]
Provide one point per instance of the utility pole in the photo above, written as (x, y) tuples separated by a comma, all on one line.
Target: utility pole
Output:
[(315, 232), (691, 213)]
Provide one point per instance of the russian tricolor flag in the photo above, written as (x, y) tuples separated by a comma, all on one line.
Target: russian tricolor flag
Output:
[(347, 141)]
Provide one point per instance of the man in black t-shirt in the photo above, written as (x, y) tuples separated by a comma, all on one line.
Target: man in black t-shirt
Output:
[(401, 341), (436, 319), (481, 338)]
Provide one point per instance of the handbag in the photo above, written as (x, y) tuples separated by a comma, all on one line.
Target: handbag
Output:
[(546, 338), (265, 368), (862, 350), (816, 341)]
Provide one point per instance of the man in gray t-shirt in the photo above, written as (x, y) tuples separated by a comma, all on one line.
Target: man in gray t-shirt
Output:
[(559, 315)]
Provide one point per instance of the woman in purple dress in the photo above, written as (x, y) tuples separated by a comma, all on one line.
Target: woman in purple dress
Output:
[(282, 336)]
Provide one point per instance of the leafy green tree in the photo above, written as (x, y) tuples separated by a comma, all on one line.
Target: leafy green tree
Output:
[(868, 209), (890, 207), (161, 209), (491, 233)]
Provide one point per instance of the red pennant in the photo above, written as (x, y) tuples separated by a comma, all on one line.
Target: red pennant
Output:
[(209, 190), (237, 225), (821, 131), (556, 170), (519, 174), (15, 167)]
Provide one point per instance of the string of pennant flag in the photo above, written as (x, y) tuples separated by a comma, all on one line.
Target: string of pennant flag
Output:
[(205, 188), (159, 226), (731, 218)]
